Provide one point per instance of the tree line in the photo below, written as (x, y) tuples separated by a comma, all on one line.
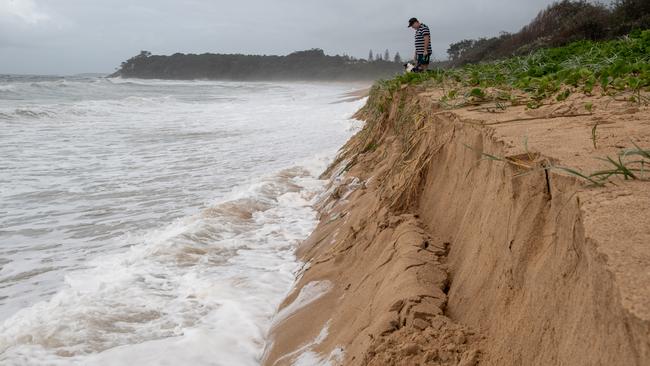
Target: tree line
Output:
[(386, 57), (560, 23), (311, 64)]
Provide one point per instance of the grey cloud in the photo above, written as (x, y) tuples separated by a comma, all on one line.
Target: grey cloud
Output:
[(95, 36)]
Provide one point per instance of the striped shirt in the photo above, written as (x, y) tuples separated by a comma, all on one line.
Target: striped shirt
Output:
[(419, 39)]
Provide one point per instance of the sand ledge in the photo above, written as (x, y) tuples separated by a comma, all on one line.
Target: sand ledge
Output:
[(436, 258)]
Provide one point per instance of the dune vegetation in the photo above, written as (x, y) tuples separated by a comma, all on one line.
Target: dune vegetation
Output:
[(619, 68)]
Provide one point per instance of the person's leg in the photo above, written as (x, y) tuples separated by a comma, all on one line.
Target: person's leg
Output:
[(424, 62)]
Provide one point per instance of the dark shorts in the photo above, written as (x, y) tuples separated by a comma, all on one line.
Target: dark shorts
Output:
[(424, 59)]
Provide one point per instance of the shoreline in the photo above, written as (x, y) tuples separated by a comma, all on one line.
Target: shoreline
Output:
[(425, 251)]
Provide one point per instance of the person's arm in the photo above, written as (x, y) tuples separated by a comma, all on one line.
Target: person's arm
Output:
[(427, 42)]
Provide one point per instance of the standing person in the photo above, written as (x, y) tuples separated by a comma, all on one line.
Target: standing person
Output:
[(422, 44)]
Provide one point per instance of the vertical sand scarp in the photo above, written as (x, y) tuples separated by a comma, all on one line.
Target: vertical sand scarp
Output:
[(438, 258)]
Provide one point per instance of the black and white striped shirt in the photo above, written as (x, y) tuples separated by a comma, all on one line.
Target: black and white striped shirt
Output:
[(419, 39)]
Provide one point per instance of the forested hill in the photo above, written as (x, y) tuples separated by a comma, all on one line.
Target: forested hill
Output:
[(303, 65)]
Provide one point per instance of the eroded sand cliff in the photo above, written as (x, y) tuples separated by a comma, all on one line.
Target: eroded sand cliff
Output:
[(429, 254)]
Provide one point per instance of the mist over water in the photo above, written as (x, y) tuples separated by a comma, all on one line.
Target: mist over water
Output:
[(154, 222)]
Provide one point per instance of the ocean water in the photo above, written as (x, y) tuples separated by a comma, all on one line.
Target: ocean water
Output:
[(154, 222)]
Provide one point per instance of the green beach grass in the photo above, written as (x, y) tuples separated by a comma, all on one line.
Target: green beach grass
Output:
[(615, 68)]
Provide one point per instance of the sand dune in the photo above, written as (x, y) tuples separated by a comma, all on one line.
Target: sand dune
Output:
[(435, 255)]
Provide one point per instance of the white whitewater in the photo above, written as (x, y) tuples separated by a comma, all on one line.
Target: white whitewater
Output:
[(154, 222)]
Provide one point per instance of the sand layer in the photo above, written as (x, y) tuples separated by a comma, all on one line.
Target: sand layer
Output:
[(429, 254)]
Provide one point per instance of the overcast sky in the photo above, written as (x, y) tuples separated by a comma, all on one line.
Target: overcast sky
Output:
[(78, 36)]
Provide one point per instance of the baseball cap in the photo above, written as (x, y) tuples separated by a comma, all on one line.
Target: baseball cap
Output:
[(411, 21)]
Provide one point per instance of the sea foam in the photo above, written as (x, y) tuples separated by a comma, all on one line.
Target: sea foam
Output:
[(157, 221)]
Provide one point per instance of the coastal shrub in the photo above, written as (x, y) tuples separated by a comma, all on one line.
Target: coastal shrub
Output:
[(629, 15), (611, 67), (559, 24)]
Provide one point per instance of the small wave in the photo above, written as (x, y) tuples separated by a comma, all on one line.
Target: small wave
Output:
[(51, 111), (163, 82), (228, 265), (309, 293), (26, 113), (28, 274), (311, 358), (30, 113), (148, 101)]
